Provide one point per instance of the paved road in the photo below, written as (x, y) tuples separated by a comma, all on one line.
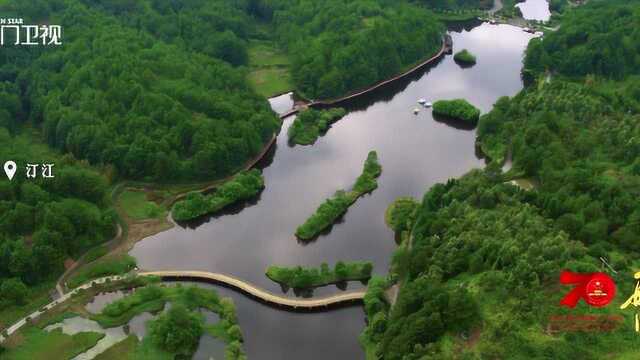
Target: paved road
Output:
[(22, 322)]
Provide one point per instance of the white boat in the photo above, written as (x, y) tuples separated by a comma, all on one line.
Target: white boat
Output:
[(428, 104), (422, 101), (416, 111)]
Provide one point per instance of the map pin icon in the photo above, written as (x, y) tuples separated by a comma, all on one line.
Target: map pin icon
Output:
[(10, 168)]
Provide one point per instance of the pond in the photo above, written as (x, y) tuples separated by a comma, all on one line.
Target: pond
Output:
[(415, 151)]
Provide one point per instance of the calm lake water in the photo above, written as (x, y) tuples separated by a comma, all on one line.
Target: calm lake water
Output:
[(415, 151), (535, 10)]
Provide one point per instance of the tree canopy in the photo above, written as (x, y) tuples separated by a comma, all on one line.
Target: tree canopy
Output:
[(337, 47), (490, 251), (156, 98)]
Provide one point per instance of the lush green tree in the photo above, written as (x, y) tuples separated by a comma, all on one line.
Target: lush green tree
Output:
[(244, 186), (465, 57), (337, 47), (310, 124), (14, 291), (178, 330), (306, 278), (457, 109), (329, 211)]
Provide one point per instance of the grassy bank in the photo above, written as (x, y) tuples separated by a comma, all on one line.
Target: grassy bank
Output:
[(305, 278), (106, 266), (333, 208), (138, 207)]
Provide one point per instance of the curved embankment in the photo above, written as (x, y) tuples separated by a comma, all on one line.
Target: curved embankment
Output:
[(260, 294), (446, 47)]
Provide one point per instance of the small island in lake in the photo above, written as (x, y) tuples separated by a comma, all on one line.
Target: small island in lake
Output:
[(457, 109), (305, 278), (244, 186), (333, 208), (464, 57), (310, 124)]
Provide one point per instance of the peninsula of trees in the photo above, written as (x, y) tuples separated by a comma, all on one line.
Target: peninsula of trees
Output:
[(244, 186), (310, 124), (306, 278), (333, 208)]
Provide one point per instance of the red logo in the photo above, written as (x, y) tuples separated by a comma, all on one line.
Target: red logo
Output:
[(597, 289)]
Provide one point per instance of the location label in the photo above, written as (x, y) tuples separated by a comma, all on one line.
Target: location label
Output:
[(10, 168)]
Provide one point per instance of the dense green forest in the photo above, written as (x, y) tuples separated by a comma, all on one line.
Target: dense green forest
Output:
[(339, 46), (136, 89), (132, 93), (479, 270), (456, 4), (44, 221), (599, 40)]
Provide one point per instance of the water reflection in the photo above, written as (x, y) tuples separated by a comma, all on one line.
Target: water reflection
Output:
[(138, 325), (283, 103), (535, 10), (103, 299), (415, 152)]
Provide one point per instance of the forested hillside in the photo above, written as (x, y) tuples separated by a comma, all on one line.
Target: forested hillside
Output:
[(479, 277), (157, 91), (456, 4), (598, 40), (138, 93), (45, 221), (140, 90), (337, 47)]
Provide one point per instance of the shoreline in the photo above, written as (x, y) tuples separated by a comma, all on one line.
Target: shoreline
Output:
[(151, 227), (328, 103)]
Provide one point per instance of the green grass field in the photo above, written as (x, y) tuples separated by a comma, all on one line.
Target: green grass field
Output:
[(138, 207), (121, 350), (269, 73), (43, 345)]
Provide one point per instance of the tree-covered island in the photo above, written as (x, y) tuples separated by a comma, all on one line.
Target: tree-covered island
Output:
[(336, 206), (306, 278)]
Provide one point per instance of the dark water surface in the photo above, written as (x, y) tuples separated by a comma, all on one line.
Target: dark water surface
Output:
[(535, 10), (415, 152)]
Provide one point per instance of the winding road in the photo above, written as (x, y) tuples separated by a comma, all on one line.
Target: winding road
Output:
[(262, 295)]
